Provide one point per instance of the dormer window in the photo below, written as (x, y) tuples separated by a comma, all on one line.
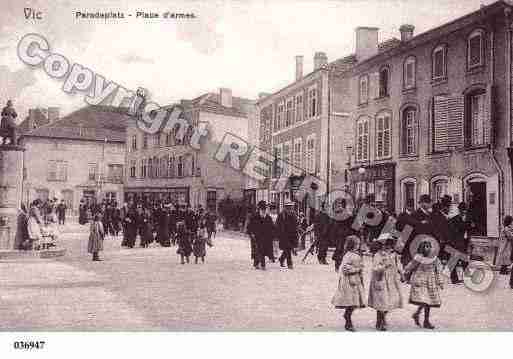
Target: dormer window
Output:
[(364, 89)]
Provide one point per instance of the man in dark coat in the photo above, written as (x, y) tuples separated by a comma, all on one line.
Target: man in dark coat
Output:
[(287, 227), (321, 227), (260, 230), (340, 226), (130, 222), (440, 229), (460, 226), (163, 218), (61, 212), (422, 224)]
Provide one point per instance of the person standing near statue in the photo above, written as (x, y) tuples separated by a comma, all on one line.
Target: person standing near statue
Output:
[(7, 125)]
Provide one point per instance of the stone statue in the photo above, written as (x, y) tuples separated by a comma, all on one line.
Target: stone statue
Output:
[(8, 126)]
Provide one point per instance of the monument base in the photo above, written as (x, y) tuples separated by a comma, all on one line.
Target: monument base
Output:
[(44, 254)]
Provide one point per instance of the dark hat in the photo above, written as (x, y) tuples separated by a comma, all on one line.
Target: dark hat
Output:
[(425, 199), (462, 206), (262, 205), (272, 206), (446, 200)]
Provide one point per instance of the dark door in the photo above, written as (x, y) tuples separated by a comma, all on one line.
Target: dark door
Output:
[(478, 207)]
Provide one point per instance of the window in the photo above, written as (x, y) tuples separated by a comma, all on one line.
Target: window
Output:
[(134, 142), (277, 158), (144, 164), (476, 118), (156, 167), (383, 136), (364, 89), (57, 170), (299, 108), (440, 189), (93, 170), (475, 49), (409, 73), (289, 116), (298, 153), (132, 168), (408, 194), (115, 173), (150, 168), (310, 154), (312, 103), (164, 167), (439, 66), (193, 165), (169, 139), (179, 169), (380, 191), (383, 82), (171, 166), (409, 131), (361, 190), (156, 139), (362, 146), (279, 117), (145, 141)]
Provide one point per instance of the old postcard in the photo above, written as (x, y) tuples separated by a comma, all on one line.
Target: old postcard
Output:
[(200, 166)]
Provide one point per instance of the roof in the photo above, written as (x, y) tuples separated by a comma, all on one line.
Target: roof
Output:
[(211, 102), (436, 32), (343, 64), (91, 123), (40, 119)]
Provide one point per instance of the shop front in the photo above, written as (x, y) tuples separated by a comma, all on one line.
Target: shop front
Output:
[(170, 194), (377, 180)]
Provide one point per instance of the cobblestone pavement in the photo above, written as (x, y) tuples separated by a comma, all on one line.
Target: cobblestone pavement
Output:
[(148, 289)]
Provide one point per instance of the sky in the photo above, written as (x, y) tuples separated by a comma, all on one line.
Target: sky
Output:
[(247, 46)]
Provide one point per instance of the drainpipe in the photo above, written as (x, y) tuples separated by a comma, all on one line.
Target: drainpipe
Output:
[(493, 127)]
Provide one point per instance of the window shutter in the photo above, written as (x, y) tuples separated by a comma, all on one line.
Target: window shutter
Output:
[(455, 124), (488, 111), (441, 117), (374, 85)]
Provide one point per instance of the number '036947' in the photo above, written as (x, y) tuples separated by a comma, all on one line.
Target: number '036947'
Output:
[(29, 345)]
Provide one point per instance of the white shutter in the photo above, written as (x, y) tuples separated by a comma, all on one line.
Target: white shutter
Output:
[(488, 115), (455, 124), (441, 117), (374, 85)]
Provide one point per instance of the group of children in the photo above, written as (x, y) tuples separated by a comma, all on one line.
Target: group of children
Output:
[(423, 273), (192, 243)]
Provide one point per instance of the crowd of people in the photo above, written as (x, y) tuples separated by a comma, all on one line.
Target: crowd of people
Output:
[(393, 264), (164, 223)]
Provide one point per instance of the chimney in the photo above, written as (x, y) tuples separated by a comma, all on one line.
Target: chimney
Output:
[(226, 97), (31, 119), (53, 114), (406, 32), (366, 42), (299, 67), (320, 59)]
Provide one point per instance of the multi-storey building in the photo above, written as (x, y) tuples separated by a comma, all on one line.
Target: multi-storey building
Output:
[(162, 166), (80, 155), (297, 120), (433, 115)]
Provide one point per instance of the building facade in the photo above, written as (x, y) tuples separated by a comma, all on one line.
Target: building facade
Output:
[(79, 156), (432, 115), (165, 167)]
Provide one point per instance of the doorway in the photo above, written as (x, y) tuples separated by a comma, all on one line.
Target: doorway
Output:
[(476, 200)]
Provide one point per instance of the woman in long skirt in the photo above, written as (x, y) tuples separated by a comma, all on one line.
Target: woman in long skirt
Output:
[(199, 247), (96, 236), (350, 291), (424, 271), (384, 289), (183, 241), (506, 237)]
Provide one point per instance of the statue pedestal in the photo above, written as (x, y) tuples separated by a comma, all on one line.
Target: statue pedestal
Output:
[(11, 179)]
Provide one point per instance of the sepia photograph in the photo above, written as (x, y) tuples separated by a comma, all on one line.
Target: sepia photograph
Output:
[(254, 167)]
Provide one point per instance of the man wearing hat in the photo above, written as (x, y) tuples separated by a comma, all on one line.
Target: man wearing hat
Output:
[(423, 225), (287, 231), (260, 230), (460, 226)]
